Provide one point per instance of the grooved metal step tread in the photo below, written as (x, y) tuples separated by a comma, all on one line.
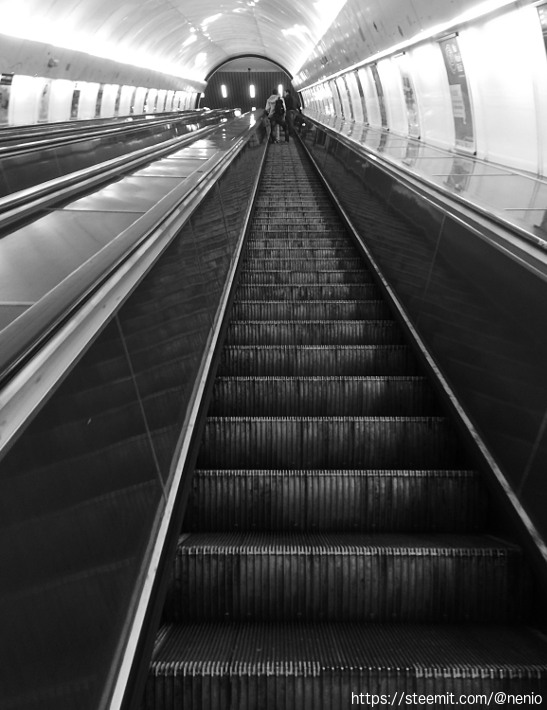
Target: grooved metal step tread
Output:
[(289, 244), (313, 332), (289, 276), (298, 238), (322, 396), (279, 219), (290, 252), (340, 543), (334, 359), (430, 655), (309, 230), (303, 264), (397, 500), (312, 292), (347, 309), (342, 576), (324, 442)]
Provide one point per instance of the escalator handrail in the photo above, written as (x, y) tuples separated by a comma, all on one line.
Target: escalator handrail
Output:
[(21, 131), (143, 243), (123, 695), (20, 205), (24, 337), (79, 134), (516, 242)]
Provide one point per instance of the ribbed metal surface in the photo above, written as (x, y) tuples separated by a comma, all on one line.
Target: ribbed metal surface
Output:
[(319, 442), (330, 488), (312, 292), (319, 666), (302, 264), (338, 500), (409, 649), (288, 276), (313, 332), (286, 360), (309, 310), (341, 577), (302, 241), (293, 249), (321, 396)]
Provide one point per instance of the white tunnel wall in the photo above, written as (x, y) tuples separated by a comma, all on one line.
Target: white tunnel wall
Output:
[(427, 67), (38, 99), (505, 63)]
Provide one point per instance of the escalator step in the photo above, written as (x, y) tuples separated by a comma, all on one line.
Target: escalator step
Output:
[(310, 310), (307, 666), (303, 264), (305, 229), (328, 442), (322, 396), (311, 292), (292, 252), (308, 243), (289, 276), (338, 500), (283, 220), (334, 513), (314, 332), (291, 360), (326, 240), (346, 576)]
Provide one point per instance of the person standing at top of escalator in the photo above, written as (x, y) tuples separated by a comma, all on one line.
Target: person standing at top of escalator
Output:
[(275, 108), (291, 108)]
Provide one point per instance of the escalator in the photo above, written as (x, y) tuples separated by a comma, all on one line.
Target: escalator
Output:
[(338, 540)]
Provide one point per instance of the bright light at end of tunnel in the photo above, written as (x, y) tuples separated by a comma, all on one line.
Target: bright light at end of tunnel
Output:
[(224, 91), (252, 93), (280, 89)]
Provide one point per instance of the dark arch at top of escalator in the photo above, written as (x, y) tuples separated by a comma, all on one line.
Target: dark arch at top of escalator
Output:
[(250, 56)]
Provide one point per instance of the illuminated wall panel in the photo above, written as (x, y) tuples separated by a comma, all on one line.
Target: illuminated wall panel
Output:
[(433, 95), (507, 70), (394, 98)]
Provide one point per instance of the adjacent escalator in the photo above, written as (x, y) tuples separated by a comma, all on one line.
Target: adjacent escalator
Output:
[(338, 540)]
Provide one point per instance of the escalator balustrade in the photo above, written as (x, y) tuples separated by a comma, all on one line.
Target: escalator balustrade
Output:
[(337, 540)]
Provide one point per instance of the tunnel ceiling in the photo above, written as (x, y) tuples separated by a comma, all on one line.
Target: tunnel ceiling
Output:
[(190, 38)]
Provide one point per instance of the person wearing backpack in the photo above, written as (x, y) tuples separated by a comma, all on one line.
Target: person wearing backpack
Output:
[(291, 108), (275, 108)]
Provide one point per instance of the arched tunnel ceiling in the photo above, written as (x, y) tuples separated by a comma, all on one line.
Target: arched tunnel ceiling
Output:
[(189, 38)]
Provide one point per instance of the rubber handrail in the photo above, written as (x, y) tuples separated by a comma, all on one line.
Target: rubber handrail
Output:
[(516, 241), (22, 337), (15, 132), (22, 204), (83, 133)]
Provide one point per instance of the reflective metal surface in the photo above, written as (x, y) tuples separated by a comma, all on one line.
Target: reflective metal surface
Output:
[(37, 257), (124, 196), (83, 490), (517, 198), (28, 167), (481, 312)]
